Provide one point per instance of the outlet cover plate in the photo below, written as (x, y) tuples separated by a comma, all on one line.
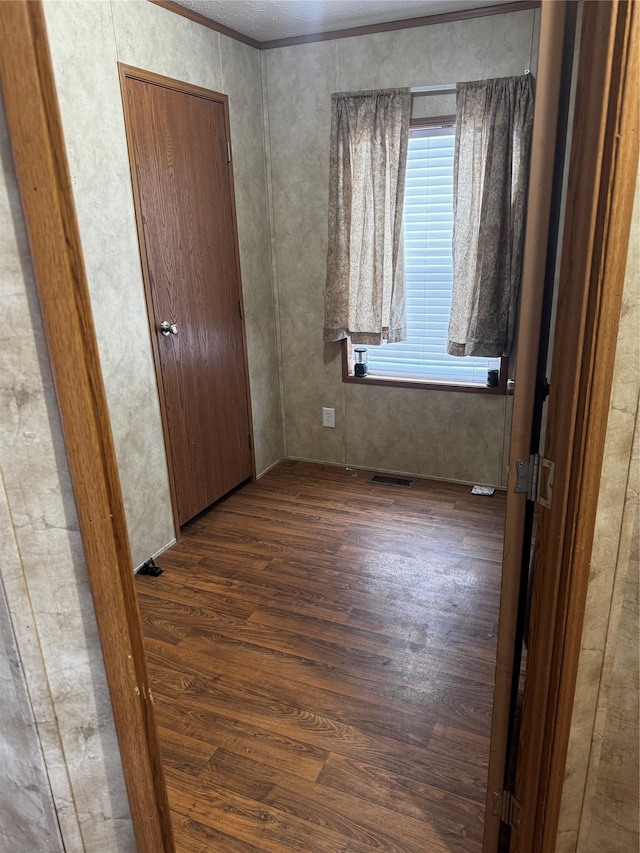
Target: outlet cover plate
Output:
[(328, 417)]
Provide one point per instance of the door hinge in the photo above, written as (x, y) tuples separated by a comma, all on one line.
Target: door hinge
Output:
[(507, 808), (529, 479), (228, 152)]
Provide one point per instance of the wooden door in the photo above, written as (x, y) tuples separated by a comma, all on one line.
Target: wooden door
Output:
[(602, 181), (550, 55), (180, 156)]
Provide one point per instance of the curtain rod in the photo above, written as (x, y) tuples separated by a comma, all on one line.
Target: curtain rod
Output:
[(442, 89), (433, 90)]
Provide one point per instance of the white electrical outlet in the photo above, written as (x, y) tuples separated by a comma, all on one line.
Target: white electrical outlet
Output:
[(328, 417)]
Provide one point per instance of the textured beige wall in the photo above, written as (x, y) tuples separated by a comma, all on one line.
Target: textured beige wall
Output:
[(43, 571), (448, 435), (601, 775), (615, 817), (87, 41), (27, 808)]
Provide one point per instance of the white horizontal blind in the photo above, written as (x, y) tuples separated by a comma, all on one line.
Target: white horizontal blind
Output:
[(428, 225)]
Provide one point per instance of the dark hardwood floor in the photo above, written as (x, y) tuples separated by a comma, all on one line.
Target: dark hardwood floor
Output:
[(322, 651)]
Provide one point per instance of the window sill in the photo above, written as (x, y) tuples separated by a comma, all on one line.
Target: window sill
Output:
[(424, 384)]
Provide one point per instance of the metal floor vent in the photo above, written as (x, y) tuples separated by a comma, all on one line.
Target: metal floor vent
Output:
[(392, 481)]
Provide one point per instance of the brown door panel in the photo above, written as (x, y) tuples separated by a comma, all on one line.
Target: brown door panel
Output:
[(184, 190)]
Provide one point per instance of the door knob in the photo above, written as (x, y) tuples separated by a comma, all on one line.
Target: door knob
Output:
[(168, 328), (511, 387)]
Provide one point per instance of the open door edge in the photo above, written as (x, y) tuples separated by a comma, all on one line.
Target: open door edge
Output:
[(535, 253), (602, 183)]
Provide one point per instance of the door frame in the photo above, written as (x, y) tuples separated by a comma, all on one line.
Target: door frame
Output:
[(129, 72), (34, 125), (39, 154), (603, 170)]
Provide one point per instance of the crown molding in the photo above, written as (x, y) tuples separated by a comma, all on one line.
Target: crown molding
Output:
[(170, 6), (407, 23), (387, 26)]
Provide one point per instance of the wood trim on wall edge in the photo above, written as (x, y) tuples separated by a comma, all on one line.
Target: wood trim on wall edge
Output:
[(35, 131), (351, 32)]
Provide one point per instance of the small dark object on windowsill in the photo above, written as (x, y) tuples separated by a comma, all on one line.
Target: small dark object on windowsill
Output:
[(360, 368), (149, 568), (492, 378)]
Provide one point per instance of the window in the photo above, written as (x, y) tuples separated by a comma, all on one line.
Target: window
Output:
[(428, 225)]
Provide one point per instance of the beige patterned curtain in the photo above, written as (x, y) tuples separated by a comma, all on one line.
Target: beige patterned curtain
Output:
[(494, 120), (365, 264)]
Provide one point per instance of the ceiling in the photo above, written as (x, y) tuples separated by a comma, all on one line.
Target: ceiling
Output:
[(267, 20)]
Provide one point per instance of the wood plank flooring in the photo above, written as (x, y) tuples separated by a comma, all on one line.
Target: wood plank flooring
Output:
[(322, 652)]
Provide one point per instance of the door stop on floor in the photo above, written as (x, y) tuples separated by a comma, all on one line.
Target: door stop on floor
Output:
[(483, 490), (149, 568)]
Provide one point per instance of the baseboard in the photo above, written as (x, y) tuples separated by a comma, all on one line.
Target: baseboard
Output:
[(157, 554), (273, 465), (409, 474)]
